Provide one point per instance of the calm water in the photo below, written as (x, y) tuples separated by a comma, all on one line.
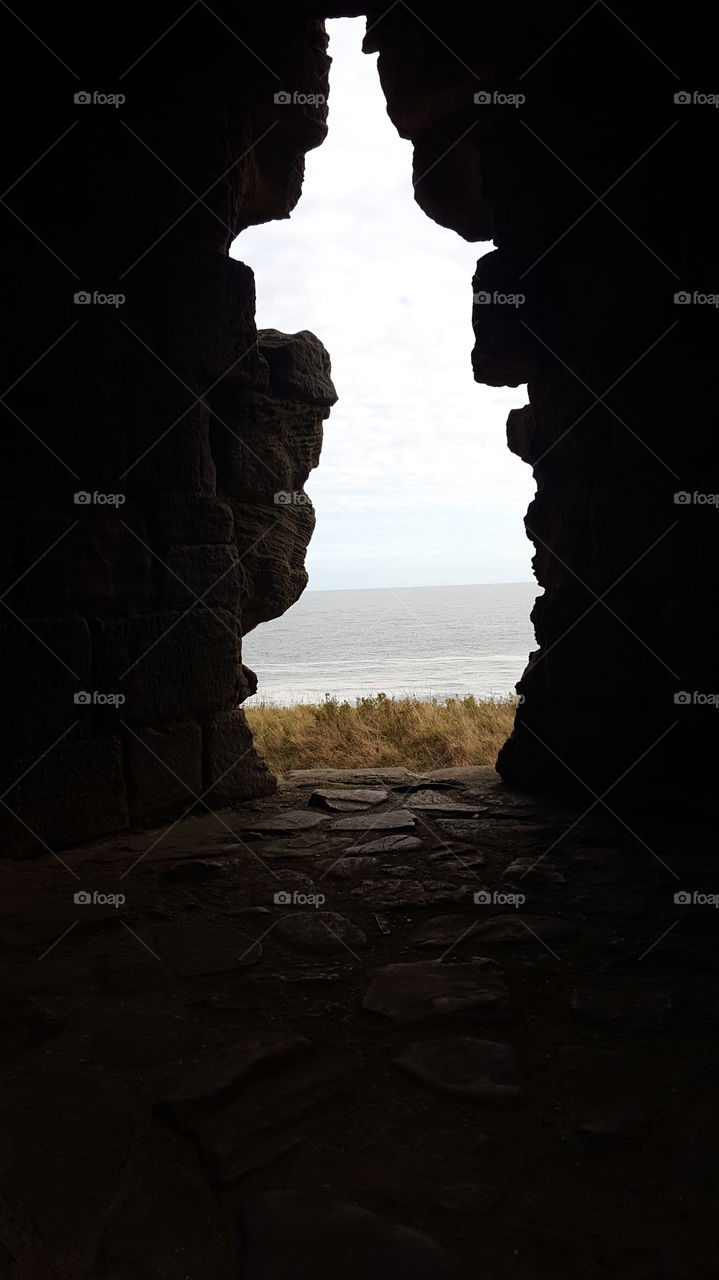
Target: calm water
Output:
[(419, 641)]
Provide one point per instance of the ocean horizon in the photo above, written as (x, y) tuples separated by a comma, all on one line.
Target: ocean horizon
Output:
[(419, 642)]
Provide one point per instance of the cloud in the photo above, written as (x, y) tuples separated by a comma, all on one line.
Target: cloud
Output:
[(415, 471)]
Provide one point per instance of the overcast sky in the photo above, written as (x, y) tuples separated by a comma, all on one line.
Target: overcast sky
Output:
[(416, 485)]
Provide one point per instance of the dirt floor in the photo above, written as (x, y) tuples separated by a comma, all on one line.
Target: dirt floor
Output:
[(372, 1027)]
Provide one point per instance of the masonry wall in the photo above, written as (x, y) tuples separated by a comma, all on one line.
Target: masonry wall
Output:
[(587, 160), (595, 183), (154, 446)]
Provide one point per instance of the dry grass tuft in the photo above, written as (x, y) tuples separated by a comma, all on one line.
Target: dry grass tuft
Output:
[(380, 730)]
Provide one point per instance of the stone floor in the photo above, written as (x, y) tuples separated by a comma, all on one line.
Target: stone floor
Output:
[(373, 1027)]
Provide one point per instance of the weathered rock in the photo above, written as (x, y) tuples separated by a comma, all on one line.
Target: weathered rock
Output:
[(233, 770), (164, 770), (386, 844), (432, 990), (347, 800), (534, 871), (460, 855), (75, 792), (299, 366), (606, 1004), (445, 931), (290, 1235), (395, 821), (608, 1125), (383, 895), (525, 928), (320, 932), (194, 949), (413, 788), (438, 802), (164, 1222), (25, 1023), (346, 868), (465, 1068), (211, 1082), (460, 828), (287, 820)]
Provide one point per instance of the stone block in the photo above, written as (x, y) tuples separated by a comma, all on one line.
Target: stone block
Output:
[(45, 663), (212, 572), (191, 521), (205, 326), (233, 769), (164, 770), (74, 794), (98, 560), (169, 665), (169, 450)]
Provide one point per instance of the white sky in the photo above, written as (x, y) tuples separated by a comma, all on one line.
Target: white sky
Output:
[(416, 486)]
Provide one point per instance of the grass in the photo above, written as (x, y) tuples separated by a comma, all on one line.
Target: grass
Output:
[(380, 730)]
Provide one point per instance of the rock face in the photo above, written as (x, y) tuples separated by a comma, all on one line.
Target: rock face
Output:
[(598, 296), (155, 445)]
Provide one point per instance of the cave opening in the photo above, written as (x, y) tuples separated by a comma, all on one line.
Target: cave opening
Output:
[(363, 1022), (415, 487)]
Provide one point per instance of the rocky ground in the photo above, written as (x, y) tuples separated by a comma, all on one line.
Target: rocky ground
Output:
[(373, 1026)]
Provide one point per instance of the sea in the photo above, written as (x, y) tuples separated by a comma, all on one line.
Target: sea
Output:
[(420, 642)]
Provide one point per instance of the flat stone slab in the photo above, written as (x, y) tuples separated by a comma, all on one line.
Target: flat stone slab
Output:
[(524, 928), (462, 855), (194, 949), (460, 828), (214, 1081), (387, 844), (444, 931), (289, 820), (614, 1004), (387, 895), (606, 1125), (291, 1235), (483, 1070), (398, 820), (409, 788), (347, 868), (534, 871), (320, 932), (347, 800), (439, 802), (431, 989)]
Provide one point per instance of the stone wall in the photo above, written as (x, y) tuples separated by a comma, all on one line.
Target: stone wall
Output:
[(154, 446), (596, 188), (595, 183)]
